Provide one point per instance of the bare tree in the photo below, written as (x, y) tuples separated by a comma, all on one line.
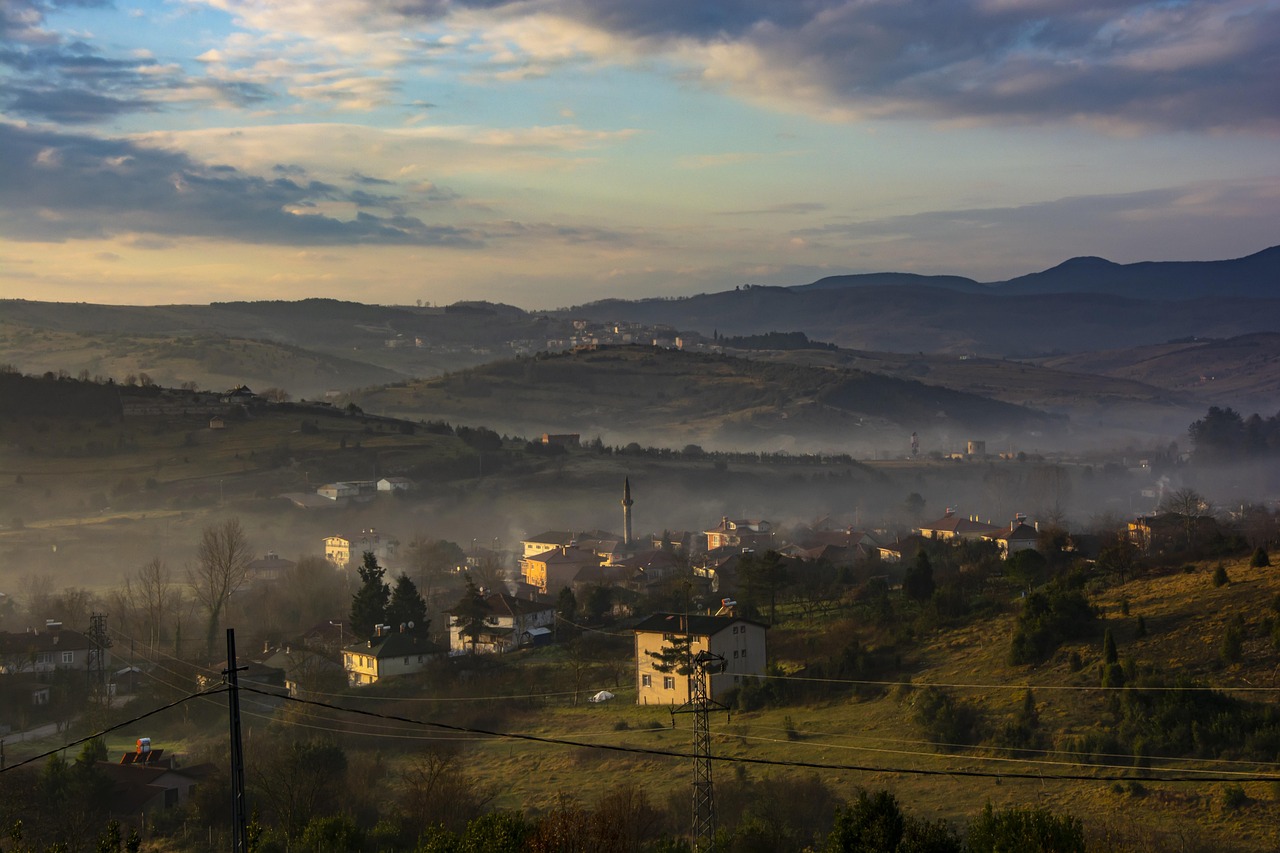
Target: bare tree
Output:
[(1191, 508), (221, 568), (146, 598)]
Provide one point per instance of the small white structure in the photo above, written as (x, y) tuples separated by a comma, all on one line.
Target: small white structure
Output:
[(395, 484)]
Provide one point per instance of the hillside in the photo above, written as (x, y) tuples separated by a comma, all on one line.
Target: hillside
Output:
[(306, 347), (1102, 402), (930, 319), (1239, 371), (208, 360), (873, 721), (671, 397), (1250, 277)]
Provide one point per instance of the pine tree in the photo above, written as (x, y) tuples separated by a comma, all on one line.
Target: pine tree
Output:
[(917, 583), (567, 605), (1109, 653), (407, 607), (369, 604), (471, 614)]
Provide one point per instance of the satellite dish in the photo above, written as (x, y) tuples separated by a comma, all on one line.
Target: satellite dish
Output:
[(410, 626)]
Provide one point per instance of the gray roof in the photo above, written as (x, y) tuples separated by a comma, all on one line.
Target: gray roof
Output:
[(697, 624)]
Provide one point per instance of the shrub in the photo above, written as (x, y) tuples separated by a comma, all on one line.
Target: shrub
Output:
[(1260, 558), (1220, 575), (1025, 830), (1047, 619), (1233, 797), (1233, 640), (947, 721)]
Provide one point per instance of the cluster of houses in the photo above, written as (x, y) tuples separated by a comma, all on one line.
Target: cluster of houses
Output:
[(524, 613)]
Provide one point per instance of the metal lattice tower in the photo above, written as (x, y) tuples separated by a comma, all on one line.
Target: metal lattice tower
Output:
[(700, 704), (96, 664)]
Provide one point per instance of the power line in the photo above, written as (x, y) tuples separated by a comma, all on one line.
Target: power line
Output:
[(968, 746), (204, 693), (1007, 686), (812, 765), (504, 696)]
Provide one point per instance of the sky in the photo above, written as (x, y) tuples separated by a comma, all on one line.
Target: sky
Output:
[(547, 153)]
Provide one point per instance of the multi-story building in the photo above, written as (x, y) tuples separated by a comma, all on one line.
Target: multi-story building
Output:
[(739, 642)]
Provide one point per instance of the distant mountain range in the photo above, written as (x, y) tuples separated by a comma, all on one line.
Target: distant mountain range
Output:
[(1081, 305), (1254, 277), (1099, 342)]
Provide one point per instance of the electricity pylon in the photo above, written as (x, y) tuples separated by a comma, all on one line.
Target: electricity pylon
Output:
[(701, 667)]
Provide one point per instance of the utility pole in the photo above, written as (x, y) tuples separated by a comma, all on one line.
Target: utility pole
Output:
[(239, 813), (702, 666)]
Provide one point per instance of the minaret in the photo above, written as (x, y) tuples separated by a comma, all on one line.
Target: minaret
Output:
[(626, 512)]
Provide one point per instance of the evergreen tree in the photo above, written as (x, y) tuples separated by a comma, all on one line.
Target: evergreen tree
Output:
[(1109, 653), (471, 614), (567, 605), (917, 583), (369, 604), (599, 602), (407, 607)]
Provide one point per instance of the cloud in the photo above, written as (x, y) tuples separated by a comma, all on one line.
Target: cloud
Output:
[(1173, 223), (1124, 65), (66, 80), (59, 186)]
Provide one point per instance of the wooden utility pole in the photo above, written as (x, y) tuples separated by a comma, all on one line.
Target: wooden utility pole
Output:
[(239, 812)]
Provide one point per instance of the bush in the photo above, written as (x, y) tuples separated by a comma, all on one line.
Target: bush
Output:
[(947, 721), (1220, 576), (1233, 640), (1233, 797), (1260, 558), (1047, 619), (1025, 830)]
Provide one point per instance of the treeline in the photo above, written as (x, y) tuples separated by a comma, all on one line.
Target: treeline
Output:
[(314, 796), (57, 395), (775, 340), (1223, 434)]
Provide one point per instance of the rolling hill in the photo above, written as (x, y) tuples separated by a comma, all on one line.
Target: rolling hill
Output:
[(1238, 371), (671, 397)]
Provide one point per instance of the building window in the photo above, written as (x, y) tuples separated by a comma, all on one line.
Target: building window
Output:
[(669, 682), (735, 653), (44, 657), (68, 657), (646, 681)]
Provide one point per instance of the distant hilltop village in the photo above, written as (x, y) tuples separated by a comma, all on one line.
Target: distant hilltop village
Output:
[(579, 333)]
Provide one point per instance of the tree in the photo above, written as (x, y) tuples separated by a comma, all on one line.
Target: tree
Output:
[(471, 614), (299, 780), (222, 565), (676, 656), (567, 605), (431, 560), (917, 582), (599, 602), (407, 607), (1220, 434), (871, 824), (369, 604), (1190, 507), (1025, 830)]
